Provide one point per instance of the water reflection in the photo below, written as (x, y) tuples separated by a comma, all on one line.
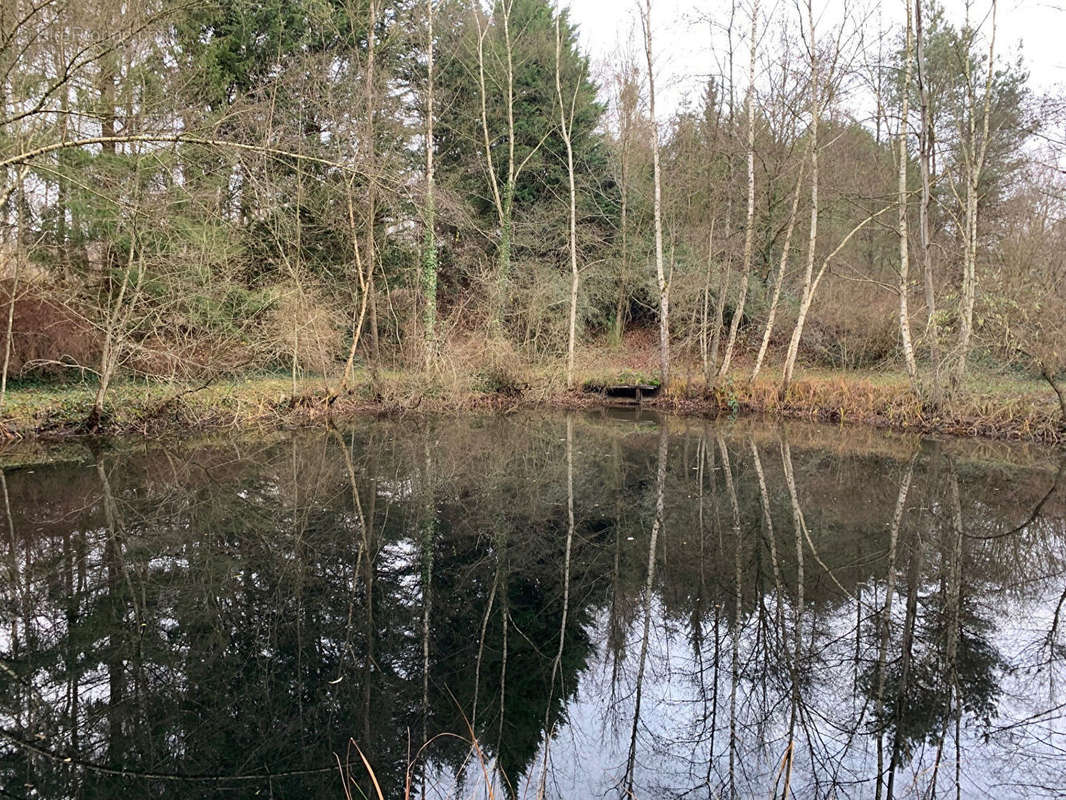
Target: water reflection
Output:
[(609, 607)]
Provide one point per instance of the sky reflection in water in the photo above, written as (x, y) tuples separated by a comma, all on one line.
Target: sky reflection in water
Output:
[(688, 608)]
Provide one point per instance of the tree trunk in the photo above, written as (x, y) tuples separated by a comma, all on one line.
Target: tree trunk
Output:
[(624, 134), (503, 200), (566, 126), (886, 614), (371, 244), (976, 151), (558, 660), (705, 351), (812, 237), (649, 585), (10, 328), (429, 254), (779, 278), (115, 327), (660, 275), (749, 224), (904, 244), (926, 143), (738, 610)]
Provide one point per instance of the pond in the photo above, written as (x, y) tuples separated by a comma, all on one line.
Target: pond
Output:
[(601, 604)]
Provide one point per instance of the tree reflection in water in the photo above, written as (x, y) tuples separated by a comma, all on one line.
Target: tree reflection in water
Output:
[(614, 607)]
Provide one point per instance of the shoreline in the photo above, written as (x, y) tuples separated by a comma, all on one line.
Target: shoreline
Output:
[(1004, 411)]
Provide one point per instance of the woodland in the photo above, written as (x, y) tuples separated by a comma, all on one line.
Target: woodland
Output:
[(204, 190)]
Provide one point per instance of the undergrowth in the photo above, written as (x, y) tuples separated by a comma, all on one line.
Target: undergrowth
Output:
[(994, 406)]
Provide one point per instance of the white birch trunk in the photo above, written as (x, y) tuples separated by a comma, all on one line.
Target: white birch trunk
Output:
[(566, 126), (660, 275), (904, 245), (749, 224)]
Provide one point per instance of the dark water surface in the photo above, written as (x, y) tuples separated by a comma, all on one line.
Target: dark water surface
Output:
[(614, 606)]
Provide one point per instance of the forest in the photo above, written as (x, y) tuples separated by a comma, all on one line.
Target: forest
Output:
[(339, 192)]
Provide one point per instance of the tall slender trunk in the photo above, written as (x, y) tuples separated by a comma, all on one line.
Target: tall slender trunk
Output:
[(719, 305), (649, 585), (926, 143), (812, 236), (904, 245), (660, 275), (106, 88), (727, 273), (10, 328), (738, 599), (749, 223), (953, 612), (705, 344), (976, 151), (9, 331), (906, 659), (624, 133), (800, 532), (502, 199), (886, 614), (558, 660), (566, 126), (427, 553), (63, 189), (364, 290), (508, 199), (779, 278), (371, 243), (429, 245)]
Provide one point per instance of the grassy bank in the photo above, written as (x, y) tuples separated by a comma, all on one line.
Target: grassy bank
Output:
[(989, 405)]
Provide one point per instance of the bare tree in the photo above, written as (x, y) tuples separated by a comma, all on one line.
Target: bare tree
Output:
[(904, 243), (558, 660), (816, 103), (749, 219), (429, 244), (660, 276), (627, 108), (503, 198), (975, 150), (649, 586), (771, 314), (566, 127), (926, 142), (117, 313)]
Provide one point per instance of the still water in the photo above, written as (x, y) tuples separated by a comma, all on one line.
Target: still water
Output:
[(594, 605)]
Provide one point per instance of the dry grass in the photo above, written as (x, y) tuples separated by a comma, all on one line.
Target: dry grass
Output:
[(989, 405), (475, 373)]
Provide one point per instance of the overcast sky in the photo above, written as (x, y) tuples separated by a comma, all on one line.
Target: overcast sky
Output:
[(685, 55)]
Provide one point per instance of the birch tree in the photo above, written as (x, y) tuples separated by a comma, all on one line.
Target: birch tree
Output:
[(779, 278), (660, 275), (502, 197), (726, 273), (822, 87), (903, 204), (975, 149), (365, 261), (815, 106), (926, 138), (749, 219), (566, 127), (369, 136), (429, 244)]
